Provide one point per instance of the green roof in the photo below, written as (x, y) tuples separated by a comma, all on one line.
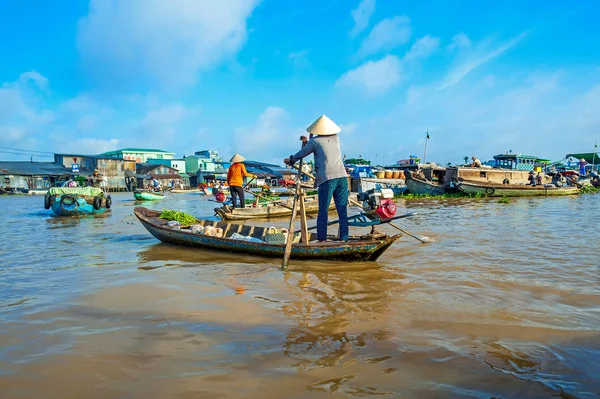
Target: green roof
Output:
[(137, 150), (513, 155)]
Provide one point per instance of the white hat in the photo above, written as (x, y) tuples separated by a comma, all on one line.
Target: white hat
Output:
[(237, 158), (323, 127)]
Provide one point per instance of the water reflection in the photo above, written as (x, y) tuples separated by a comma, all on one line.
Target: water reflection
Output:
[(336, 314)]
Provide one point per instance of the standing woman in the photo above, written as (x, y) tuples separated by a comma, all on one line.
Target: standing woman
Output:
[(331, 176), (235, 179)]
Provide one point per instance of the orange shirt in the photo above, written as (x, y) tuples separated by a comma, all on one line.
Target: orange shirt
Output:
[(236, 174)]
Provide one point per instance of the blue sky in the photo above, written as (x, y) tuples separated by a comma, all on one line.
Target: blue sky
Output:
[(248, 76)]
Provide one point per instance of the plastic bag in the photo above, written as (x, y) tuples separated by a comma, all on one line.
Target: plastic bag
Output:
[(197, 229), (237, 236)]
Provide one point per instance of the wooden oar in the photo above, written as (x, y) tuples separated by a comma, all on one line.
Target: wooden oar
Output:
[(297, 197)]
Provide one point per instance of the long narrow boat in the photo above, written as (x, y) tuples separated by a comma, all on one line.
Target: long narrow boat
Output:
[(421, 186), (271, 210), (77, 201), (364, 248), (514, 190), (147, 195)]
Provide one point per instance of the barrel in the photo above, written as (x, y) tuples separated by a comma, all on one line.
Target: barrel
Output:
[(396, 174), (401, 174), (380, 174), (389, 174)]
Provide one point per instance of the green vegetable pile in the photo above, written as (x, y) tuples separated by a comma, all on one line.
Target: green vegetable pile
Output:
[(589, 190), (181, 217)]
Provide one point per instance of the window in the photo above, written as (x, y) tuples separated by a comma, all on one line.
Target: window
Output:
[(159, 156)]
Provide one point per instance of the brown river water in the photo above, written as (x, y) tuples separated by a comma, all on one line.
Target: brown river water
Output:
[(504, 304)]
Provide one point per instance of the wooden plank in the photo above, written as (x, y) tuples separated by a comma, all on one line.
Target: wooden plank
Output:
[(303, 223)]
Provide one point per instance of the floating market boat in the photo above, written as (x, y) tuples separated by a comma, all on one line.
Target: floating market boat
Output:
[(363, 248), (421, 186), (147, 195), (77, 201), (269, 210), (514, 190)]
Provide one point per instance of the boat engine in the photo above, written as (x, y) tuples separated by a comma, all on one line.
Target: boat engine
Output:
[(378, 203)]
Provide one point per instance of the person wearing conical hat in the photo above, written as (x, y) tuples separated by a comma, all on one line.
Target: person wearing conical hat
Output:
[(330, 174), (582, 164), (235, 179)]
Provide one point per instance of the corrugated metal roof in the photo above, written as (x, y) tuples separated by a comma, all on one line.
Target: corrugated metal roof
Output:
[(35, 169)]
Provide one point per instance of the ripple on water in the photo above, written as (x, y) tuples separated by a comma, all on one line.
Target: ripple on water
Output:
[(505, 303)]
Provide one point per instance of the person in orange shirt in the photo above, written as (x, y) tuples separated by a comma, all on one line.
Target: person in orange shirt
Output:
[(235, 179)]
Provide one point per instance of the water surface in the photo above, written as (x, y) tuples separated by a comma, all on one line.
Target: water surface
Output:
[(505, 303)]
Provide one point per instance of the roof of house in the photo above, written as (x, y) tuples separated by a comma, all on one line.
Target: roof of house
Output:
[(145, 168), (514, 156), (137, 150), (25, 168)]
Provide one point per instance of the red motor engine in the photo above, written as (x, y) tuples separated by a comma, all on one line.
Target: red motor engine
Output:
[(378, 203), (220, 197)]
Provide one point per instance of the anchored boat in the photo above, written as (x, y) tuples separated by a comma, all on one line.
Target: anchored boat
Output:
[(77, 201), (147, 195), (270, 210), (421, 186), (514, 190), (364, 248)]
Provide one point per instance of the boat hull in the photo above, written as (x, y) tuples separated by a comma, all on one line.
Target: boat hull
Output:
[(140, 195), (494, 190), (80, 207), (353, 250), (422, 187)]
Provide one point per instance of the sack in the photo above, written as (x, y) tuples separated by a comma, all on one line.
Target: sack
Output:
[(212, 231), (279, 237), (197, 229)]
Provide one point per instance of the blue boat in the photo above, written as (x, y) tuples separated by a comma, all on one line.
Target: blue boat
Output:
[(77, 201), (363, 248)]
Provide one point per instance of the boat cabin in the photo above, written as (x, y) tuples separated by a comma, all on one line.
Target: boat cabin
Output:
[(515, 161)]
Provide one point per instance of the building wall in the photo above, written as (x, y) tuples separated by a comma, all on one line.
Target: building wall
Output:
[(29, 182), (192, 164), (178, 164), (113, 171), (143, 157)]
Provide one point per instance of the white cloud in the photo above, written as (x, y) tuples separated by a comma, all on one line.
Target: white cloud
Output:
[(423, 48), (90, 146), (267, 139), (361, 16), (137, 42), (476, 59), (34, 77), (374, 77), (459, 41), (386, 35)]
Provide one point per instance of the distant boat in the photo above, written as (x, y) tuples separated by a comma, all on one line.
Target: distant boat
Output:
[(421, 186), (514, 190), (270, 210), (77, 201), (147, 195), (363, 248)]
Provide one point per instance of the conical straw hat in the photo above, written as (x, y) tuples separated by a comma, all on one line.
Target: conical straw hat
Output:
[(237, 158), (323, 127)]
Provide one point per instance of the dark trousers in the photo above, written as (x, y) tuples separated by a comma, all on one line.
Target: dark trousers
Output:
[(235, 192), (338, 189)]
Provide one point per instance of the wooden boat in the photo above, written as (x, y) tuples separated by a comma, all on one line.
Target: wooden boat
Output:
[(147, 195), (420, 186), (364, 248), (270, 210), (514, 190), (77, 201)]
